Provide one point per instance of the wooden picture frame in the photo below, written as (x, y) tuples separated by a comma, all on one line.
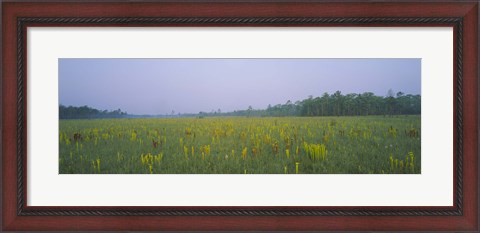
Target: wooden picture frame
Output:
[(17, 16)]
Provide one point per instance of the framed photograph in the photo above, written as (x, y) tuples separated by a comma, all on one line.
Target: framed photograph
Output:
[(246, 116)]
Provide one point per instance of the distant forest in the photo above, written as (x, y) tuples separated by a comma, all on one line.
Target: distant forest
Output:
[(335, 104), (86, 112)]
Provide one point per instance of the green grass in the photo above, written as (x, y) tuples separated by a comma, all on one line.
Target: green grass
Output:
[(339, 145)]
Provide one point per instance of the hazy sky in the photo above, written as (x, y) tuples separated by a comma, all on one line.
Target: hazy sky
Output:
[(158, 86)]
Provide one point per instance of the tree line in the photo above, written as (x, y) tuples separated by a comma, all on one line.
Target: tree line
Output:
[(337, 104), (85, 112)]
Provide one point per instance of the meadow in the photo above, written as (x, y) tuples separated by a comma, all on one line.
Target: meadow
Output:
[(242, 145)]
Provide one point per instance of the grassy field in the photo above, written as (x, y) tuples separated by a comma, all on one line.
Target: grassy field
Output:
[(237, 145)]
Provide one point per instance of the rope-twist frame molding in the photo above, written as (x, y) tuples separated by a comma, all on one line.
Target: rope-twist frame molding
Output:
[(238, 211)]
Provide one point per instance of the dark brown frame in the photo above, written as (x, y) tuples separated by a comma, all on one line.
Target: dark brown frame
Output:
[(462, 16)]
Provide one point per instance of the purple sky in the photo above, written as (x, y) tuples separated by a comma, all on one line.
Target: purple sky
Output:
[(158, 86)]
